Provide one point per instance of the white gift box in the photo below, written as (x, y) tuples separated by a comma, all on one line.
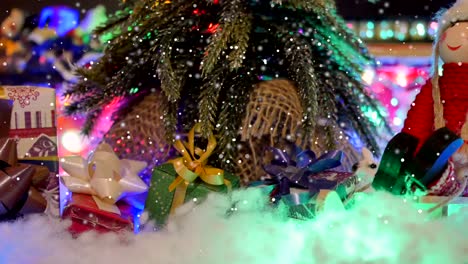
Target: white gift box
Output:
[(33, 121)]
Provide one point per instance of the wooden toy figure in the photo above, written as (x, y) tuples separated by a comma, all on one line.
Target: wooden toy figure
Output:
[(431, 152)]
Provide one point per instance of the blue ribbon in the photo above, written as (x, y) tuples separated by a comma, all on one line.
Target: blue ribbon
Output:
[(295, 170)]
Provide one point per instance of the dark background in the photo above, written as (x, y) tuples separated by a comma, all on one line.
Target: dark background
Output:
[(362, 9), (350, 9)]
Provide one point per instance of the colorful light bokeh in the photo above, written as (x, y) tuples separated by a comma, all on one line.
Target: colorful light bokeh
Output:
[(60, 19), (395, 83), (394, 30), (70, 139)]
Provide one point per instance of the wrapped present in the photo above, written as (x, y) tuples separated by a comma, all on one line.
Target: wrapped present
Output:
[(298, 177), (303, 170), (186, 178), (19, 183), (33, 124), (92, 188), (160, 201), (86, 215)]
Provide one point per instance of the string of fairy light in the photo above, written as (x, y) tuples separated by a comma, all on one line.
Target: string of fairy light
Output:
[(395, 30)]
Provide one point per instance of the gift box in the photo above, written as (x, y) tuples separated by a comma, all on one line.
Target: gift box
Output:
[(19, 182), (160, 199), (344, 182), (85, 214), (188, 177), (297, 177), (33, 124), (95, 193), (299, 203)]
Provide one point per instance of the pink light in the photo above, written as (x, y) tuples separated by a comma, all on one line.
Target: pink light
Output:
[(104, 123)]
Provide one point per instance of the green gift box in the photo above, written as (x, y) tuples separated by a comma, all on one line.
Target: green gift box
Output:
[(159, 200)]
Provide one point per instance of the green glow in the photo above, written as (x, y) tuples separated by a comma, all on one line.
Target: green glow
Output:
[(421, 29), (372, 115), (383, 34), (384, 30), (390, 33), (105, 37), (400, 37)]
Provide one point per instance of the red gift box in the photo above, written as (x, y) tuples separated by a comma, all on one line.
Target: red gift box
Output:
[(93, 193), (86, 216)]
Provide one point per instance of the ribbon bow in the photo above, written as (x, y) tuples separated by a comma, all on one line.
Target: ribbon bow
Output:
[(104, 176), (295, 170), (193, 165), (17, 195)]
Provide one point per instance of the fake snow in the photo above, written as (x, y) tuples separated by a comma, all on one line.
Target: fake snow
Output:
[(380, 229)]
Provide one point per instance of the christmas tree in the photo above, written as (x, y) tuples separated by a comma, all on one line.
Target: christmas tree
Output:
[(205, 58)]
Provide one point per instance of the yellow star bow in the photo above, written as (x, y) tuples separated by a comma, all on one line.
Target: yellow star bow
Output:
[(104, 176), (189, 167)]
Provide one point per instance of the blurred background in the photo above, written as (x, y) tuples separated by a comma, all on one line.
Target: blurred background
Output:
[(350, 9)]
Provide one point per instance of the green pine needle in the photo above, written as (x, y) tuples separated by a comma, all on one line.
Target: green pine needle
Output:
[(301, 67), (209, 101), (233, 29)]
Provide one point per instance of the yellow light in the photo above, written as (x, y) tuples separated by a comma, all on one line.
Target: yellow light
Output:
[(73, 141)]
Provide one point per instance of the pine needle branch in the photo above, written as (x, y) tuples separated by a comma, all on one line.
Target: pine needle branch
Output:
[(308, 5), (209, 100), (327, 102), (232, 112), (234, 27), (119, 18), (301, 68), (91, 120), (169, 118), (242, 35), (169, 82)]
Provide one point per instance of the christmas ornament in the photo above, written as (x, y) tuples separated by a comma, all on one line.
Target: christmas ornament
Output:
[(419, 156)]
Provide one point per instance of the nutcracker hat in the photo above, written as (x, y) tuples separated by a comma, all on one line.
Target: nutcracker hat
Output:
[(446, 18)]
